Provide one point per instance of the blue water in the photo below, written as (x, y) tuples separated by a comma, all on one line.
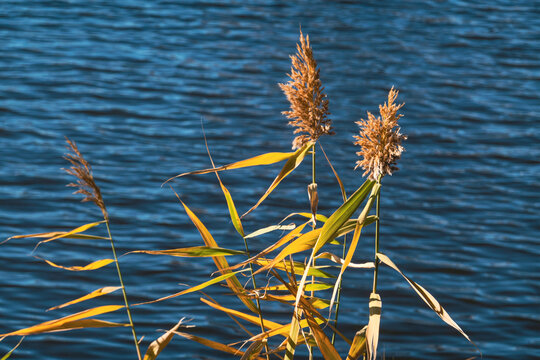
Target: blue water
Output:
[(131, 80)]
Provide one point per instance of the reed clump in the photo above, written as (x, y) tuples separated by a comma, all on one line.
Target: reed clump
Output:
[(279, 273)]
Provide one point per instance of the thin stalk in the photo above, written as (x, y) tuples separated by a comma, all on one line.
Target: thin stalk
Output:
[(124, 292), (257, 298), (339, 291), (376, 271), (313, 173)]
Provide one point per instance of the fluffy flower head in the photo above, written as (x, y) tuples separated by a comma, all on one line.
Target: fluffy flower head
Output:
[(380, 140), (309, 106)]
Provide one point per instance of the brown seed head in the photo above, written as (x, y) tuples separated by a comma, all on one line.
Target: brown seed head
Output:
[(82, 170), (380, 140), (309, 106)]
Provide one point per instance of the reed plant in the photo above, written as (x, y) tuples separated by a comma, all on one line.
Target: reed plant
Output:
[(298, 267)]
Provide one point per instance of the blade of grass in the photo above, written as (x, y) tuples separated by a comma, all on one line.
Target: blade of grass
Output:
[(55, 325), (92, 266), (220, 261), (289, 166), (427, 297), (96, 293), (194, 251), (155, 348), (5, 357), (194, 288), (212, 344), (358, 346)]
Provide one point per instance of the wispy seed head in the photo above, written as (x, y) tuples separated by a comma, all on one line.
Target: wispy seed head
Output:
[(81, 169), (309, 106), (380, 140)]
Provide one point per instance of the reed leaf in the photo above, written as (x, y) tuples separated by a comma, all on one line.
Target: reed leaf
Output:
[(340, 183), (155, 348), (354, 242), (298, 268), (253, 350), (250, 318), (195, 251), (96, 293), (426, 296), (328, 350), (308, 287), (291, 235), (270, 228), (5, 357), (72, 234), (195, 288), (319, 217), (372, 330), (264, 159), (291, 164), (220, 261), (70, 322), (213, 344), (92, 266), (338, 260), (358, 346)]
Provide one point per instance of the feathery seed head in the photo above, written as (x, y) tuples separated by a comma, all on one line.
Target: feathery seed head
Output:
[(309, 106), (81, 169), (380, 140)]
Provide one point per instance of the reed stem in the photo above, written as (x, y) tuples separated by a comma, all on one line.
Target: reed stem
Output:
[(313, 173), (123, 291), (256, 297), (376, 271), (339, 291)]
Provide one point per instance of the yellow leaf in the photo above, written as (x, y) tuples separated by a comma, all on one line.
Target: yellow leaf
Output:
[(220, 261), (74, 234), (92, 266), (213, 344), (195, 288), (195, 251), (252, 319), (325, 346), (290, 165), (159, 344), (358, 346), (264, 159), (253, 350), (99, 292), (5, 357), (426, 296), (69, 322)]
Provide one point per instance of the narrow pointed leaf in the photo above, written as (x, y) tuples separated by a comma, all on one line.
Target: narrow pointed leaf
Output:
[(155, 348), (338, 260), (195, 288), (93, 294), (270, 229), (325, 345), (354, 242), (358, 346), (253, 350), (264, 159), (213, 344), (65, 322), (298, 268), (75, 233), (220, 261), (372, 331), (5, 357), (426, 296), (195, 251), (290, 165), (341, 187), (252, 319), (92, 266), (320, 217)]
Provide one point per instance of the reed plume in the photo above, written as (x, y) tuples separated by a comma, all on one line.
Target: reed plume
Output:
[(309, 106), (82, 171), (380, 140)]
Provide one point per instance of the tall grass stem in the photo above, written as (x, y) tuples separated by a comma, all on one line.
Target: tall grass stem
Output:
[(124, 292), (376, 271)]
